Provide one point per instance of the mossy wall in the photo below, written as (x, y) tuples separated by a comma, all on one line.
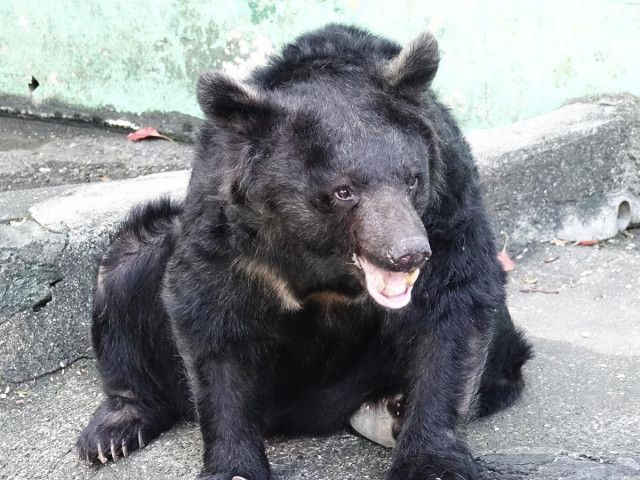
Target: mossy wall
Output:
[(502, 60)]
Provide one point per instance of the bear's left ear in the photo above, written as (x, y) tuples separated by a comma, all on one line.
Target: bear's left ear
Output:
[(234, 105), (414, 68)]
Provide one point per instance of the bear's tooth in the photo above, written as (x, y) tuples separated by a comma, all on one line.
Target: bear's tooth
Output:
[(412, 277)]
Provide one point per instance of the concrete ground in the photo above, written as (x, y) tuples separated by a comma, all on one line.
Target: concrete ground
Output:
[(579, 418), (38, 154)]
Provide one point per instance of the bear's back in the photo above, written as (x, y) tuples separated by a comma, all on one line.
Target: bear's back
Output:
[(335, 49)]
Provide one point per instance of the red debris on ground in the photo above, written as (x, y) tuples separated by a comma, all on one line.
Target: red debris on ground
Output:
[(146, 133), (587, 243), (507, 264)]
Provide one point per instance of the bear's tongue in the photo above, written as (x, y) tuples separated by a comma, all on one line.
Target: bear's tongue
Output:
[(389, 289)]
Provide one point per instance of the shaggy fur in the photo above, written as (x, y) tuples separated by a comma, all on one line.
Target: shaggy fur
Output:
[(244, 307)]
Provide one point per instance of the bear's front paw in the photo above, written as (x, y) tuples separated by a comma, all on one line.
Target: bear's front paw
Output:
[(445, 466)]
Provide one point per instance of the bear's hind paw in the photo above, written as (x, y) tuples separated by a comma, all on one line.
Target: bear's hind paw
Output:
[(113, 432)]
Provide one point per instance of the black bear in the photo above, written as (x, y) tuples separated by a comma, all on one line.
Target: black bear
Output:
[(332, 252)]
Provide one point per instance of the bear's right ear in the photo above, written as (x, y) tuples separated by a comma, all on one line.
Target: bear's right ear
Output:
[(232, 104), (414, 68)]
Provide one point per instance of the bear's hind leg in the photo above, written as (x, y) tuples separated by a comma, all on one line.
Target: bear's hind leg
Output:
[(138, 407), (142, 372), (380, 420), (143, 385)]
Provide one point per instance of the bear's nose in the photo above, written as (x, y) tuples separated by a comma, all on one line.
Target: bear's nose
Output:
[(411, 253)]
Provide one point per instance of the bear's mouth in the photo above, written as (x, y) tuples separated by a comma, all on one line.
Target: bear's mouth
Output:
[(388, 288)]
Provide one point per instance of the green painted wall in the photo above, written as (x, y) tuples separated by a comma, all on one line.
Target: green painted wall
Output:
[(502, 60)]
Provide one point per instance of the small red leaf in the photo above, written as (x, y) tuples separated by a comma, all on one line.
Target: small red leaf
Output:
[(587, 243), (145, 134), (505, 260)]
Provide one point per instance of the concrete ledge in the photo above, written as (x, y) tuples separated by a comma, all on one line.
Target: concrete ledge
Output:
[(178, 125), (571, 173), (574, 174), (48, 255)]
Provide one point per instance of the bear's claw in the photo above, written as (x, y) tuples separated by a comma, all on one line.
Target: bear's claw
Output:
[(140, 439), (101, 455), (113, 432)]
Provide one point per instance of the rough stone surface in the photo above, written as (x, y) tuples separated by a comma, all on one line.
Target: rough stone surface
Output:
[(49, 251), (39, 154), (29, 256), (600, 216), (559, 173)]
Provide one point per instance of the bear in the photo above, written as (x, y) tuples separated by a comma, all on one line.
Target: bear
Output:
[(332, 264)]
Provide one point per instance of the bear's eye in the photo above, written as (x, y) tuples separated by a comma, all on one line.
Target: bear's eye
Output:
[(343, 193), (413, 182)]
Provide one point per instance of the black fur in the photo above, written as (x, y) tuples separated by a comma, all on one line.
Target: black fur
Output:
[(502, 380), (245, 302)]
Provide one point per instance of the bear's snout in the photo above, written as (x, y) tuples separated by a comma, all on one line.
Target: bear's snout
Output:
[(389, 231), (392, 245), (410, 253)]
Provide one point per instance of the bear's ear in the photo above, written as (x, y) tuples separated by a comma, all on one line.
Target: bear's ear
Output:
[(414, 68), (232, 104)]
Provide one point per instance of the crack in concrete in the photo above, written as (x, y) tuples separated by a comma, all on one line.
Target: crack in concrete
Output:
[(550, 466), (65, 232), (7, 221), (50, 372), (40, 304)]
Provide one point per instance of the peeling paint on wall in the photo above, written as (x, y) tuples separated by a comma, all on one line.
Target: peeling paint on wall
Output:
[(502, 61)]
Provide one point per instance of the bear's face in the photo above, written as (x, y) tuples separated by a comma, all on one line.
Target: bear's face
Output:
[(337, 173)]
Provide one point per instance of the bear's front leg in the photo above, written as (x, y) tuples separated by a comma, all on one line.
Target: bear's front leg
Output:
[(230, 415), (448, 361), (224, 342)]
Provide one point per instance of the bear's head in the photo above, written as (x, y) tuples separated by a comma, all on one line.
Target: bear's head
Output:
[(331, 173)]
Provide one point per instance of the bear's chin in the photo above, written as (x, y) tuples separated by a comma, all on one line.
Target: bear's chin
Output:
[(387, 288)]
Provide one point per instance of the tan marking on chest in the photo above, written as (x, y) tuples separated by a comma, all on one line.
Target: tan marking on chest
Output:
[(271, 281), (329, 299)]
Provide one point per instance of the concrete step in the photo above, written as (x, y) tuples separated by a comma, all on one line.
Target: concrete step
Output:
[(586, 155), (573, 173)]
